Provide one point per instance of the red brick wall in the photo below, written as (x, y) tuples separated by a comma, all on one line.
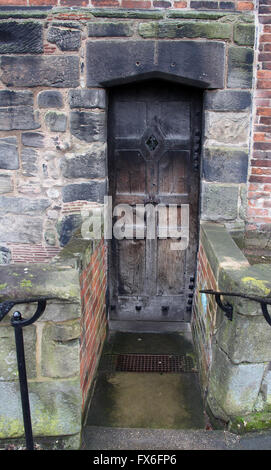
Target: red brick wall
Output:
[(93, 319), (204, 315), (138, 4), (259, 204)]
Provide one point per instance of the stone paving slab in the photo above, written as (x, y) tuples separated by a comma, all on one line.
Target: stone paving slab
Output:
[(102, 438)]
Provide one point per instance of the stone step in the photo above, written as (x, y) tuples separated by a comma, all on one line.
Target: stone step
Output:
[(105, 438)]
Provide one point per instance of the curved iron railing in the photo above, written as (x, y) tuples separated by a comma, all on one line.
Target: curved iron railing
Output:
[(228, 308), (18, 323)]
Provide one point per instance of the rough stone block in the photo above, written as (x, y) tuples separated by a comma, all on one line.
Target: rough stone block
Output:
[(9, 157), (94, 98), (39, 280), (16, 98), (245, 339), (55, 121), (225, 165), (50, 99), (18, 117), (67, 226), (8, 361), (6, 184), (60, 349), (104, 29), (191, 62), (227, 100), (234, 387), (23, 205), (55, 408), (240, 67), (29, 159), (5, 255), (244, 34), (65, 39), (88, 126), (177, 29), (90, 164), (21, 38), (30, 71), (92, 191), (266, 387), (33, 139), (20, 228), (219, 201), (226, 128)]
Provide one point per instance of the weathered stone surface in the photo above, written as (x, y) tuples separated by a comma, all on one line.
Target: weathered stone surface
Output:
[(5, 255), (55, 408), (251, 280), (234, 387), (55, 121), (220, 248), (60, 349), (225, 165), (65, 39), (92, 191), (266, 387), (226, 128), (16, 98), (113, 13), (90, 164), (177, 29), (8, 361), (38, 280), (30, 71), (67, 226), (219, 201), (244, 339), (103, 29), (33, 139), (191, 62), (22, 205), (94, 98), (19, 117), (88, 126), (240, 67), (6, 185), (21, 38), (9, 157), (227, 100), (50, 237), (50, 99), (29, 158), (244, 34), (20, 228)]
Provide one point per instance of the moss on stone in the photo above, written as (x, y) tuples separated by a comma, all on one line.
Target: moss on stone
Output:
[(251, 282), (118, 13), (259, 421), (177, 29)]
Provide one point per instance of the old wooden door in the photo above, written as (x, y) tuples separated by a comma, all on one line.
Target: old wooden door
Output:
[(154, 145)]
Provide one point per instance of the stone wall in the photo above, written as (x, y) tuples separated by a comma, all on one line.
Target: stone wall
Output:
[(52, 350), (53, 109), (234, 356)]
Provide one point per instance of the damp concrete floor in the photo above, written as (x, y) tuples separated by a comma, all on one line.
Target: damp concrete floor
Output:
[(150, 400)]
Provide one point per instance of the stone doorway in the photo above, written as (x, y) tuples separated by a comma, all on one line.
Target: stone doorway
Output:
[(154, 149)]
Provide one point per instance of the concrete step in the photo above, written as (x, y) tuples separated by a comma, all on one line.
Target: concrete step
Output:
[(105, 438)]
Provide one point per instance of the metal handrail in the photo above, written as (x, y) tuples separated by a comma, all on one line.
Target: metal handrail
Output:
[(18, 323), (228, 308)]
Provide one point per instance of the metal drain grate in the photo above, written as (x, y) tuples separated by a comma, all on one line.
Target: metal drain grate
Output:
[(163, 363)]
